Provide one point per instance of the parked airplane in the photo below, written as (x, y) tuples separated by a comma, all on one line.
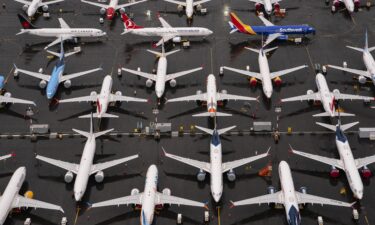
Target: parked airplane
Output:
[(150, 199), (326, 97), (31, 7), (103, 99), (267, 5), (61, 34), (346, 161), (216, 167), (265, 76), (212, 98), (188, 5), (368, 60), (270, 30), (161, 76), (112, 7), (289, 197), (57, 76), (350, 5), (166, 32), (85, 168), (10, 199)]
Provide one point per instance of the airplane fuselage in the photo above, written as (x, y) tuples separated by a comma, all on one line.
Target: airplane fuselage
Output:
[(369, 62), (287, 29), (327, 98), (70, 32), (189, 10), (211, 95), (349, 5), (265, 73), (161, 76), (216, 167), (56, 74), (267, 5), (111, 10), (149, 195), (103, 98), (172, 31), (33, 7)]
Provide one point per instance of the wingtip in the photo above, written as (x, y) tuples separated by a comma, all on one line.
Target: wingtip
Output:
[(290, 150), (231, 204), (268, 150)]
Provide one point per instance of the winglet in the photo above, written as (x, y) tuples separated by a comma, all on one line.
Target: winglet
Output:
[(231, 204)]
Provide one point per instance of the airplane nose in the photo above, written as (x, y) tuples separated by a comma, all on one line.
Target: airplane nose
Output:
[(268, 94), (159, 94), (77, 196), (49, 95), (216, 197)]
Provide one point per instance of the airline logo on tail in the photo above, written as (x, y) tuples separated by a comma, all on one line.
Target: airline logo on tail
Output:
[(26, 24), (128, 23), (237, 25)]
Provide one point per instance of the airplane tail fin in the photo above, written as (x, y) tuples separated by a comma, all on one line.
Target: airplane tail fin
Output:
[(333, 127), (128, 23), (26, 24), (220, 131), (206, 114), (96, 115), (336, 114), (237, 25)]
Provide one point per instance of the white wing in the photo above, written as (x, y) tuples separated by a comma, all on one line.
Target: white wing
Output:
[(200, 2), (129, 4), (90, 98), (96, 4), (182, 73), (265, 21), (309, 97), (164, 39), (20, 201), (275, 1), (164, 23), (23, 2), (5, 156), (364, 161), (102, 166), (271, 38), (161, 198), (222, 96), (142, 74), (332, 162), (127, 200), (34, 74), (79, 74), (64, 165), (198, 97), (51, 2), (277, 198), (339, 96), (257, 1), (358, 72), (63, 24), (192, 162), (284, 72), (176, 2), (12, 100), (312, 199), (237, 163), (245, 72), (118, 98), (58, 40)]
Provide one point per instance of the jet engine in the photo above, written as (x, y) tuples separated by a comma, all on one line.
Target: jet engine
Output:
[(336, 91), (93, 93), (166, 191), (231, 175), (176, 39), (180, 8), (258, 7), (45, 8), (68, 177), (201, 176), (366, 172), (199, 103), (199, 7), (99, 176), (118, 93), (334, 172), (357, 4), (42, 84), (336, 3), (303, 190), (283, 37), (253, 81), (362, 79), (134, 191), (309, 92), (7, 94), (67, 83), (148, 83), (276, 7), (103, 11), (277, 81), (224, 91), (173, 83), (271, 190), (25, 7), (122, 10)]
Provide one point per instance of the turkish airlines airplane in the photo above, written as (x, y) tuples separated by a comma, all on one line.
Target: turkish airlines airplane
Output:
[(289, 197), (212, 98), (326, 97), (112, 7), (265, 76), (31, 7), (188, 5), (150, 199)]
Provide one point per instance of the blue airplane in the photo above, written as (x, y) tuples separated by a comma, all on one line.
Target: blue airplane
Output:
[(56, 76), (270, 30)]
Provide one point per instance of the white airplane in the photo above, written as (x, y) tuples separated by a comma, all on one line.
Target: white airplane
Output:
[(103, 99), (10, 198), (350, 5), (63, 33), (346, 161), (289, 197), (267, 5), (212, 98), (31, 7), (368, 60), (166, 32), (265, 76), (149, 199), (161, 76), (6, 98), (188, 5), (216, 167), (85, 168), (111, 8), (326, 97)]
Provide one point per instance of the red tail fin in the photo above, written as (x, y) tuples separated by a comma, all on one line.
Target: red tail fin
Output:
[(128, 23), (26, 24)]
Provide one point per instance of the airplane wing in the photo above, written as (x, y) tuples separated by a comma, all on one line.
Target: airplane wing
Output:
[(58, 40), (312, 199), (197, 97), (5, 156), (339, 96), (34, 74), (64, 165), (277, 198), (127, 200), (330, 161), (169, 199), (142, 74), (180, 74), (20, 201), (358, 72), (192, 162), (265, 21), (102, 166), (284, 72), (164, 23), (222, 96), (23, 2), (270, 38), (90, 98), (51, 2), (309, 97), (176, 2), (237, 163), (364, 161), (96, 4), (200, 2), (120, 98), (75, 75), (12, 100), (244, 72), (275, 1), (63, 24), (164, 39), (257, 1), (129, 4)]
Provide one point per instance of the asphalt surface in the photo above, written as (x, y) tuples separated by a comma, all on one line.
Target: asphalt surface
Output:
[(334, 32)]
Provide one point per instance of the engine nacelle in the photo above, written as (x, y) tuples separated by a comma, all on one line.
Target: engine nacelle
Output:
[(99, 176), (25, 7), (122, 10), (309, 92), (134, 191), (366, 172), (148, 83), (93, 93), (303, 190), (362, 79), (277, 81), (199, 92), (68, 177), (67, 83), (224, 91), (201, 176), (42, 84), (176, 39), (271, 190), (283, 37), (199, 7), (180, 8), (45, 8), (166, 191), (173, 83), (258, 7), (7, 94), (231, 175), (253, 81), (334, 172), (103, 11), (336, 3), (118, 93), (357, 4), (336, 91), (276, 7)]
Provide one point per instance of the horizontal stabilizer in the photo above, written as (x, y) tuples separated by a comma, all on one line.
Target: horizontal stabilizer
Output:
[(104, 115), (336, 114), (207, 114)]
